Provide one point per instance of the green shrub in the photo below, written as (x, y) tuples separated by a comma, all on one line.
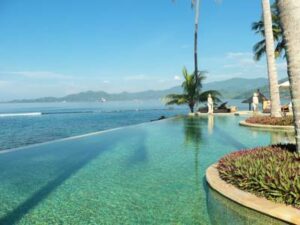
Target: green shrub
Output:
[(272, 172), (269, 120)]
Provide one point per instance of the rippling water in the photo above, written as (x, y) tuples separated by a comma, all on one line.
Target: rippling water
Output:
[(152, 173)]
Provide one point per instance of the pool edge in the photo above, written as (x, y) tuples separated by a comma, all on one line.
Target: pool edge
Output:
[(262, 205), (266, 127)]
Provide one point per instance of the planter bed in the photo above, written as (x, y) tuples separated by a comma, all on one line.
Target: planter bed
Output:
[(269, 120), (266, 179), (267, 127)]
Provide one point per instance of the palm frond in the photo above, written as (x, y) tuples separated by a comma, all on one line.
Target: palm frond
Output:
[(193, 2), (259, 48), (200, 78), (175, 99), (280, 49), (258, 27)]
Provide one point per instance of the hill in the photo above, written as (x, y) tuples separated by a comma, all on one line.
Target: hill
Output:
[(284, 93), (232, 88)]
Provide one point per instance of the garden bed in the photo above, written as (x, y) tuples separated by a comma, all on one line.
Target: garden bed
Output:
[(271, 172), (269, 120)]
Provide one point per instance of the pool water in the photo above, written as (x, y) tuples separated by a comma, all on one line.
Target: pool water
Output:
[(151, 173)]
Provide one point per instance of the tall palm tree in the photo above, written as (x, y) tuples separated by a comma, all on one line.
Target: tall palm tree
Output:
[(196, 7), (259, 49), (192, 94), (290, 20), (272, 70)]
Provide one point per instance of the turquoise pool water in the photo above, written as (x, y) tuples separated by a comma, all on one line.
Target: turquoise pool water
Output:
[(144, 174)]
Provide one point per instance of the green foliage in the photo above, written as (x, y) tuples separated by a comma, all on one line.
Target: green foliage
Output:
[(192, 95), (269, 120), (272, 172), (259, 48)]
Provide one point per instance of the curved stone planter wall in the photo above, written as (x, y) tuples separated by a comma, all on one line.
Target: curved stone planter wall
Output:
[(267, 127), (279, 211)]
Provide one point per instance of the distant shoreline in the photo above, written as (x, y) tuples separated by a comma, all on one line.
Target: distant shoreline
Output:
[(235, 88)]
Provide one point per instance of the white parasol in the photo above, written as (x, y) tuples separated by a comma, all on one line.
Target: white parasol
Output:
[(284, 84)]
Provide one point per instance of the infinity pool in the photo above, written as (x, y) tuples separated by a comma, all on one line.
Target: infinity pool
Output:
[(150, 173)]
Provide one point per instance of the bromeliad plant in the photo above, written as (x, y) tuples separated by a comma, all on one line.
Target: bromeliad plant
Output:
[(192, 94), (272, 172)]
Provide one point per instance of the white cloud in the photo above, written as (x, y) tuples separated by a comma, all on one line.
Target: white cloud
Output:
[(4, 83), (185, 46), (225, 76), (177, 78), (238, 55), (137, 77), (36, 74), (230, 66), (32, 84), (248, 61), (240, 64), (162, 81), (242, 61)]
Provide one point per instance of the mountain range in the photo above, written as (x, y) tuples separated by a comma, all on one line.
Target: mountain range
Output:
[(235, 88)]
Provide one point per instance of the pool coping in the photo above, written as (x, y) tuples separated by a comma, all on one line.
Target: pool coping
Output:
[(266, 127), (279, 211), (237, 113)]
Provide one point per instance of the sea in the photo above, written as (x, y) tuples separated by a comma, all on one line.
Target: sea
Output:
[(24, 124)]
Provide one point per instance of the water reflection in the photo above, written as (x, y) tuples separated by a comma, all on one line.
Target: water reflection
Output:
[(282, 137), (221, 211), (276, 137), (192, 132), (139, 149), (210, 124), (192, 140)]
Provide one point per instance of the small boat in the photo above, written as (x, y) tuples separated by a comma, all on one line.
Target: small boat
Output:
[(102, 100)]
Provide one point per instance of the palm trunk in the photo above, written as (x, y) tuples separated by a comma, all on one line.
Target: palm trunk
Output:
[(192, 106), (197, 11), (196, 50), (290, 19), (272, 70)]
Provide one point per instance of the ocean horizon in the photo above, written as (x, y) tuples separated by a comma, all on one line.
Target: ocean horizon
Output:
[(25, 124)]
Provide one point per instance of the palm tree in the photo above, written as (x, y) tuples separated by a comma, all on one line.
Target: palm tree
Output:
[(272, 70), (192, 95), (196, 7), (290, 20), (258, 27)]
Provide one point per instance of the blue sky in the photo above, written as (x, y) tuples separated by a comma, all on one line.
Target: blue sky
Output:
[(58, 47)]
